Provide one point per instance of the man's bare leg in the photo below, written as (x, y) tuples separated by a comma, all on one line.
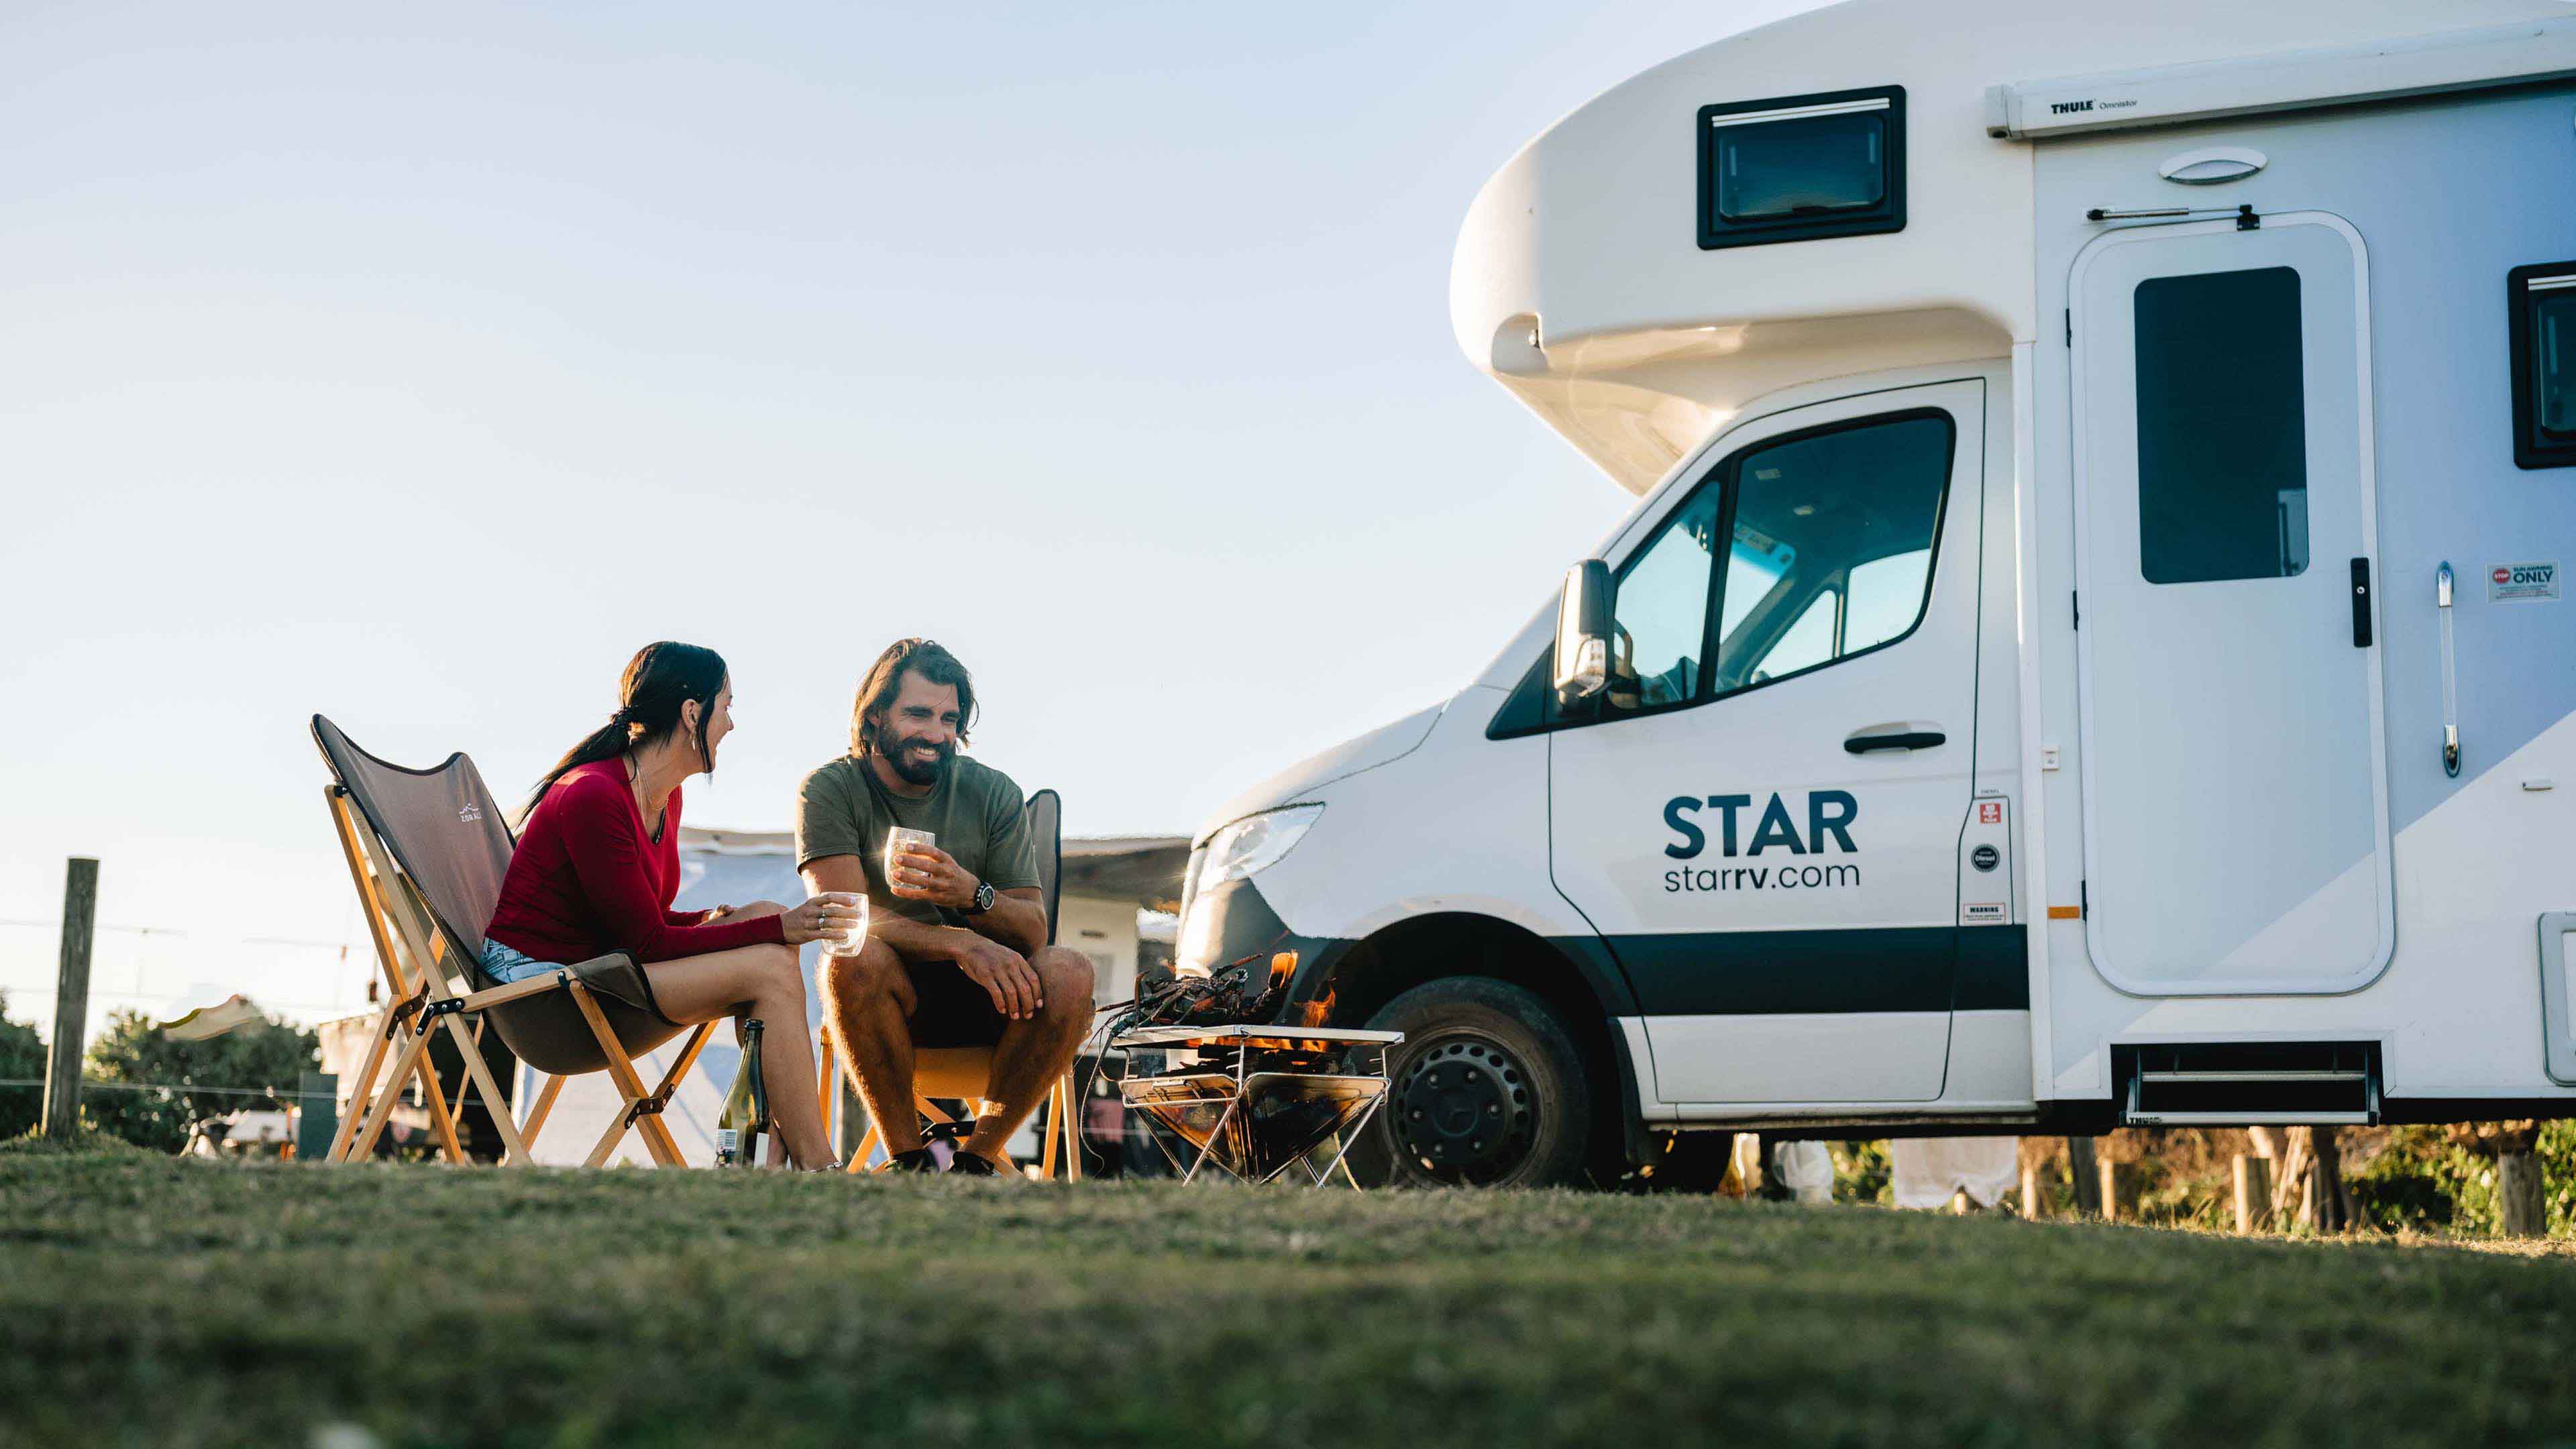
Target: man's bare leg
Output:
[(1032, 1054), (868, 1003)]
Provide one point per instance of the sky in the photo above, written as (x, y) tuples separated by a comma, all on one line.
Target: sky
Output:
[(415, 365)]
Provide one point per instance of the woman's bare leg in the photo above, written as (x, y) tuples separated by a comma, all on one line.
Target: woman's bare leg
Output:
[(760, 981)]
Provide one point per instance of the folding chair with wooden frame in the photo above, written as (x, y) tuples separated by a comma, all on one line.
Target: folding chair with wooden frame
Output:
[(427, 850), (966, 1073)]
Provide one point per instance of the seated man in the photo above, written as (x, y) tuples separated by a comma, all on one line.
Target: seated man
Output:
[(956, 953)]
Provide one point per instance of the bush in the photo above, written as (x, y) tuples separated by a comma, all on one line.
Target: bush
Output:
[(2425, 1180), (22, 1058), (269, 1056)]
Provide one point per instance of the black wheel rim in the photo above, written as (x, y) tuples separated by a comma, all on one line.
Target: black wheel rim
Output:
[(1462, 1110)]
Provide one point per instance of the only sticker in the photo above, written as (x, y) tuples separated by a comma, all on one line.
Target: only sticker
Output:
[(2517, 583)]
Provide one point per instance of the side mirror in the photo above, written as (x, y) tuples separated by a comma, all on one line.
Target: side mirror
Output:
[(1583, 625)]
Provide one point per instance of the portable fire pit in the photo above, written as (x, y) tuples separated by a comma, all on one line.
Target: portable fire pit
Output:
[(1257, 1100)]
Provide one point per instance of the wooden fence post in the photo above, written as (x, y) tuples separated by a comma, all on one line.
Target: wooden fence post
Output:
[(2081, 1166), (2119, 1191), (71, 1001), (2519, 1212), (2253, 1193)]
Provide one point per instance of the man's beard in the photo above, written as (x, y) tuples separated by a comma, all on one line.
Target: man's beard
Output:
[(915, 771)]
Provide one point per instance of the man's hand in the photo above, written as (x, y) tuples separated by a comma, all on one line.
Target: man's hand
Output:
[(1003, 972), (928, 873)]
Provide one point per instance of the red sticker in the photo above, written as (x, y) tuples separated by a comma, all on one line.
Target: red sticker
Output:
[(2502, 576), (1990, 812)]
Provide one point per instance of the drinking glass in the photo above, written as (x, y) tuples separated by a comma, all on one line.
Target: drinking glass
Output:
[(900, 839), (850, 941)]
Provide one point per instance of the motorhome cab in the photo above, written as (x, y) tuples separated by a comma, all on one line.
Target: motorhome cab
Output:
[(2090, 647)]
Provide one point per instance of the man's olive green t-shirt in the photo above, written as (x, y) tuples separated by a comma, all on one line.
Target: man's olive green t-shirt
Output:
[(975, 810)]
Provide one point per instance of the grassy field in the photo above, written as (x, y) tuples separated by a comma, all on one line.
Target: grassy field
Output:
[(148, 1300)]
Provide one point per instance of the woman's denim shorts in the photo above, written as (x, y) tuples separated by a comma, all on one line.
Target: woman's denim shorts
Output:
[(505, 965)]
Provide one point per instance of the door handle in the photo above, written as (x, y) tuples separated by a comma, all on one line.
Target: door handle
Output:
[(2361, 603), (1861, 742)]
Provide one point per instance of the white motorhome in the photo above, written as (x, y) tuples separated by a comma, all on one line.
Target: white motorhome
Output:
[(2133, 685)]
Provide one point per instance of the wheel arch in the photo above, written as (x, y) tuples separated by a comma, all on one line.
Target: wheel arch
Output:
[(1574, 977)]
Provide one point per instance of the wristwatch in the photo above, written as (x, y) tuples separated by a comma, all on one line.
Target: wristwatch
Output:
[(983, 898)]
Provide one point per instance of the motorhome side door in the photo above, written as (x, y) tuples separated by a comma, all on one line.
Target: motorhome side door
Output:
[(2234, 762), (1763, 819)]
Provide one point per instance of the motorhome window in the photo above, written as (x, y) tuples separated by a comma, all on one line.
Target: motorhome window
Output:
[(2544, 365), (2222, 427), (1795, 168), (1663, 609), (1806, 167), (1853, 512), (2553, 359)]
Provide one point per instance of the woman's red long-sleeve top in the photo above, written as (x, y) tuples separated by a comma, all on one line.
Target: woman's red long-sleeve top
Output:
[(587, 880)]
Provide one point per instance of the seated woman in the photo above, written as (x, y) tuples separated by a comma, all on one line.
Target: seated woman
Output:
[(599, 862)]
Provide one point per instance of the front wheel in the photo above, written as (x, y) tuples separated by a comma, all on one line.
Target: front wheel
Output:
[(1485, 1090)]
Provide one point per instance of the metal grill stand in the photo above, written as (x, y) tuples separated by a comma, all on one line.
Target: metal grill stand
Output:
[(1257, 1100)]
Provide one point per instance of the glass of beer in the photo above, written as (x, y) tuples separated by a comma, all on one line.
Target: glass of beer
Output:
[(900, 839)]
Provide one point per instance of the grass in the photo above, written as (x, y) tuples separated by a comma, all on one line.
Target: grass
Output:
[(151, 1300)]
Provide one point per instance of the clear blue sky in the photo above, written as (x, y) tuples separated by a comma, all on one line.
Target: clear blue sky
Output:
[(416, 364)]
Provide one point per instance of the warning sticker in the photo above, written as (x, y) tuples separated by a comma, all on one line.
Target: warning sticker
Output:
[(2522, 582), (1982, 913), (1990, 812)]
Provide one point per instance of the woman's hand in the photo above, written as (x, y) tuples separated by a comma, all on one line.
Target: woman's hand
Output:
[(826, 917)]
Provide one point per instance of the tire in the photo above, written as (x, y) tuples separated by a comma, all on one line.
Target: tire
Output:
[(1486, 1090)]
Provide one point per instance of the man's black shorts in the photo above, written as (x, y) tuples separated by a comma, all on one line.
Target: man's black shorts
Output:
[(950, 1009)]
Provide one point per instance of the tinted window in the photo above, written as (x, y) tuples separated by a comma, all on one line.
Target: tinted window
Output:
[(1851, 514), (1813, 166), (1796, 168), (1663, 610), (1829, 553), (2553, 363), (2222, 427)]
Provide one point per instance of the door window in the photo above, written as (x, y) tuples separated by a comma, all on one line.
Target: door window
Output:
[(1829, 554), (2543, 334), (1855, 510), (2222, 427)]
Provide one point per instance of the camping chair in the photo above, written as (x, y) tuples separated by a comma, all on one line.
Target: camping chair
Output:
[(427, 850), (965, 1072)]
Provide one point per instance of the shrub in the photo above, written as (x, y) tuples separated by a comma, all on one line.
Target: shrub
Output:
[(269, 1056)]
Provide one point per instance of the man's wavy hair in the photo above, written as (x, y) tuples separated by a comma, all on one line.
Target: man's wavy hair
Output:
[(885, 680)]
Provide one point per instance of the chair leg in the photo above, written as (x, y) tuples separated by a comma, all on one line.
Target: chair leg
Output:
[(621, 1071), (440, 1120), (364, 1143), (824, 1096), (514, 1149), (1054, 1130), (866, 1149), (537, 1114), (362, 1092)]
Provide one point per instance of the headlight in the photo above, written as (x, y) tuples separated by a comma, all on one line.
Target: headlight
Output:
[(1254, 844)]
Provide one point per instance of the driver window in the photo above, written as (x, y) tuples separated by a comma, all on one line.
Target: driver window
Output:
[(1829, 553), (1850, 516)]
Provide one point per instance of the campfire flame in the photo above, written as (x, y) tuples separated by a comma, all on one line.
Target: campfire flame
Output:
[(1317, 1011)]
